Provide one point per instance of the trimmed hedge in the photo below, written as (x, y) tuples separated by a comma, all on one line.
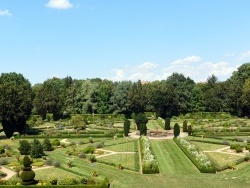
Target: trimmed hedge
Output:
[(201, 169)]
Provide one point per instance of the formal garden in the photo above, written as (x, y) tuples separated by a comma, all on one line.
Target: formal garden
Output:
[(94, 151)]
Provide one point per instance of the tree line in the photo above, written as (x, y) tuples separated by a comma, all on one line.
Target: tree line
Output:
[(175, 95)]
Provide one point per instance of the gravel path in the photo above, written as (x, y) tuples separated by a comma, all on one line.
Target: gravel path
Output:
[(9, 173), (136, 135)]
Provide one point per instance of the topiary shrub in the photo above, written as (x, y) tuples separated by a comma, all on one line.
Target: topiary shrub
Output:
[(167, 124), (56, 143), (184, 126), (176, 130), (126, 127), (48, 162), (27, 175)]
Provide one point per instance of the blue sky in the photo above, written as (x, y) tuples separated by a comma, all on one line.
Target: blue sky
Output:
[(124, 39)]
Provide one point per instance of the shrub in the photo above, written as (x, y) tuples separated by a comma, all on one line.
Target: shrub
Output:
[(149, 164), (2, 174), (57, 164), (184, 126), (196, 156), (39, 163), (226, 142), (239, 139), (24, 147), (81, 142), (47, 146), (248, 147), (56, 143), (239, 149), (91, 140), (68, 181), (234, 146), (99, 145), (126, 127), (82, 155), (248, 140), (176, 130), (89, 149), (1, 150), (190, 130), (3, 162), (36, 150), (92, 158), (167, 124)]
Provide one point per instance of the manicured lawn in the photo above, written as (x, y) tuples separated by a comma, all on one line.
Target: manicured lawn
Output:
[(153, 125), (171, 159), (222, 158), (207, 146), (124, 147), (129, 161)]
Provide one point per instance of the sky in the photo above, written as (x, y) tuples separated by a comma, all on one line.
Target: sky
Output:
[(124, 39)]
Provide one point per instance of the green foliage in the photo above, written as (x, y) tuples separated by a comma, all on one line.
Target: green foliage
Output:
[(190, 130), (167, 124), (47, 146), (92, 158), (89, 149), (141, 120), (78, 122), (26, 161), (176, 130), (36, 150), (24, 147), (185, 126), (56, 142), (15, 102), (126, 127)]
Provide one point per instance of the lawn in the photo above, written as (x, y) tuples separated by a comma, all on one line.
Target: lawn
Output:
[(153, 125), (123, 147), (222, 158), (171, 159), (129, 161), (207, 146)]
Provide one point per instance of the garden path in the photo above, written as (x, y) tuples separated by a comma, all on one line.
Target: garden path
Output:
[(9, 173), (226, 151), (65, 141), (109, 152), (136, 135)]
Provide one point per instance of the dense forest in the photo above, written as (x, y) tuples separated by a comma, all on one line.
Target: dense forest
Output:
[(175, 95)]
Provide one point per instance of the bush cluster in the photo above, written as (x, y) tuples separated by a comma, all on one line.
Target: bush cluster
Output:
[(149, 163)]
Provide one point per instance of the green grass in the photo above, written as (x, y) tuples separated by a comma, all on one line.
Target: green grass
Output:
[(222, 158), (171, 159), (126, 160), (207, 146), (124, 147), (153, 125)]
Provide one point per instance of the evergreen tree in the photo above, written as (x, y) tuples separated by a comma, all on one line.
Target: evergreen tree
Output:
[(36, 150), (167, 124), (47, 146), (176, 130), (126, 127), (24, 147), (184, 126), (190, 130)]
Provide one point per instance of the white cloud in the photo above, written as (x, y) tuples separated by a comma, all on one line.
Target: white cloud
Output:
[(59, 4), (144, 71), (245, 55), (187, 60), (5, 13), (191, 66)]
